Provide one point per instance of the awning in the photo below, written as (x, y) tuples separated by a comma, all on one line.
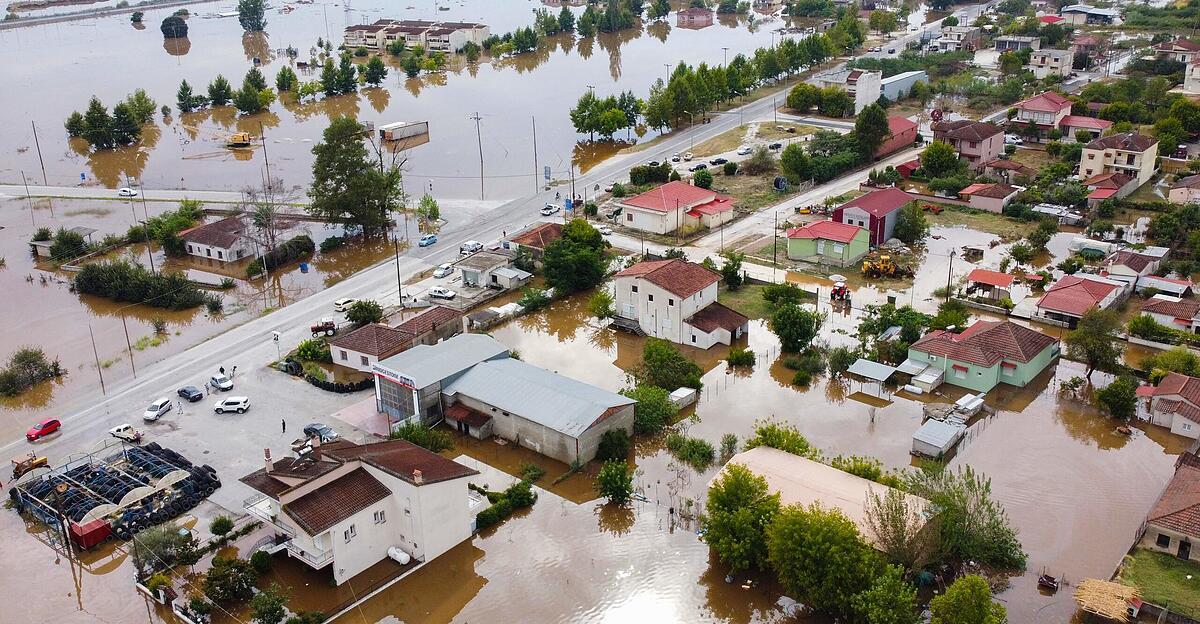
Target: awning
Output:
[(912, 367), (872, 370)]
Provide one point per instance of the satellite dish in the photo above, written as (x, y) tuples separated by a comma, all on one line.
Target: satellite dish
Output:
[(936, 114)]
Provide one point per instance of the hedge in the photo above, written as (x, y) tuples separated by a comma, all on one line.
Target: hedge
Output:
[(295, 248), (121, 280), (340, 388)]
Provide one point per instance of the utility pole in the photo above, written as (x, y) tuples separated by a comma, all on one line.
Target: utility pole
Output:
[(774, 244), (128, 345), (726, 50), (479, 139), (146, 211), (262, 136), (572, 182), (537, 185), (96, 354), (28, 198), (950, 273), (775, 110), (39, 151), (399, 285)]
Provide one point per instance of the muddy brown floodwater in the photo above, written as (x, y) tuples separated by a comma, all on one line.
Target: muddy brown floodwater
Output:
[(39, 309), (185, 151)]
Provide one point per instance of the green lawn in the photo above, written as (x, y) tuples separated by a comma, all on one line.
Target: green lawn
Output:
[(1163, 580), (1006, 228), (748, 300)]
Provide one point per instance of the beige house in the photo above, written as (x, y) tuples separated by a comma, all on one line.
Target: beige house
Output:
[(1174, 312), (864, 86), (676, 205), (989, 197), (977, 142), (675, 300), (1130, 153), (1185, 190), (1180, 50), (1045, 63), (1044, 111), (1174, 403), (433, 36), (1129, 266), (223, 241), (342, 506), (1191, 78), (1173, 525)]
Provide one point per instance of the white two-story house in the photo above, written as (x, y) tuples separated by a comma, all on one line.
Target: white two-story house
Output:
[(342, 505), (1129, 153), (675, 300)]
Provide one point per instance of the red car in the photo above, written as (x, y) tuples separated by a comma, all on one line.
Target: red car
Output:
[(42, 429)]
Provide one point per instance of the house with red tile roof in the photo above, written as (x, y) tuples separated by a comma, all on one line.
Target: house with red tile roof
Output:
[(990, 284), (1179, 49), (1185, 190), (1173, 524), (1050, 19), (223, 240), (977, 142), (1174, 312), (986, 354), (535, 238), (365, 346), (1044, 111), (1068, 299), (828, 242), (991, 197), (1108, 185), (1073, 125), (902, 133), (1129, 153), (675, 300), (340, 506), (1174, 403), (1127, 265), (674, 206), (1007, 170), (877, 211)]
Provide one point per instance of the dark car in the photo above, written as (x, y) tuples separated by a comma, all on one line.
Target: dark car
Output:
[(698, 167), (42, 429), (718, 161), (775, 146), (325, 432), (191, 393)]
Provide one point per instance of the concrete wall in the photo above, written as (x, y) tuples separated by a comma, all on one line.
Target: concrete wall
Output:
[(1150, 541), (829, 252), (546, 441), (1184, 195), (353, 359), (232, 254), (663, 316), (900, 88), (650, 220), (370, 542)]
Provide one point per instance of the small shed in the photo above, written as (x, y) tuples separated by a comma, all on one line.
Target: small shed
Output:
[(873, 372), (42, 248), (683, 397), (509, 278), (936, 438)]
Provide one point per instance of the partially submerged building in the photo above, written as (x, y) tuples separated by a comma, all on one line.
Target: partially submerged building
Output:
[(984, 355), (1174, 403), (365, 346), (1173, 524), (676, 300)]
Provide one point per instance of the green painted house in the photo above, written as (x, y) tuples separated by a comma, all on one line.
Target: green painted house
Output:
[(986, 354), (828, 242)]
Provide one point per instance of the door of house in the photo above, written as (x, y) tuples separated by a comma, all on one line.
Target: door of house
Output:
[(630, 311), (820, 247), (1185, 549)]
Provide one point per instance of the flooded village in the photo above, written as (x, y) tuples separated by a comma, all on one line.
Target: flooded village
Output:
[(614, 311)]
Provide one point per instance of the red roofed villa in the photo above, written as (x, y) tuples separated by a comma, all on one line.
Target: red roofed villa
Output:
[(676, 205), (877, 211), (828, 242), (1045, 111), (1173, 524), (990, 197), (902, 133), (1068, 299), (676, 300), (1174, 403), (986, 354)]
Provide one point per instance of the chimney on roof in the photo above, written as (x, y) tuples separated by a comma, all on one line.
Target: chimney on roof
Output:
[(315, 443), (418, 478), (267, 464)]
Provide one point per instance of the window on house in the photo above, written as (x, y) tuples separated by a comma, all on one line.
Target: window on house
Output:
[(1163, 541), (208, 252), (960, 372), (1091, 157), (189, 249), (220, 255), (650, 297), (629, 216), (633, 288), (344, 356), (972, 144), (380, 517), (670, 301), (693, 337), (1186, 426), (363, 360)]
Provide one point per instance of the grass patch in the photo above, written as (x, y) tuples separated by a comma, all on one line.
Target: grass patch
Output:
[(145, 342), (1145, 192), (767, 131), (1000, 225), (1163, 580), (750, 193), (748, 300), (1034, 158), (724, 142)]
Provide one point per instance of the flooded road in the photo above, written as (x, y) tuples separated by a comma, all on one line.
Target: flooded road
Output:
[(185, 151)]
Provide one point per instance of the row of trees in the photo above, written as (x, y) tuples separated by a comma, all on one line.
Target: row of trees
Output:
[(254, 95), (829, 154), (122, 127), (605, 116)]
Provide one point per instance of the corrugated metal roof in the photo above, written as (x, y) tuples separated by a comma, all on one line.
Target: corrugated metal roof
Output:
[(426, 364), (938, 434), (538, 395), (872, 370)]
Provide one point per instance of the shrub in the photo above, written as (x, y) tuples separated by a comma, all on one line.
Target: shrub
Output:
[(615, 481), (261, 561), (25, 369), (654, 410), (694, 451), (703, 179), (68, 245), (333, 242), (314, 350), (227, 283), (293, 249), (783, 437), (229, 580), (436, 440), (761, 162), (614, 444), (121, 280), (809, 361), (782, 294), (729, 168), (740, 357), (729, 445), (213, 304), (618, 190), (221, 525), (360, 51), (520, 495), (532, 472), (43, 234), (534, 299), (364, 311), (802, 378), (601, 305)]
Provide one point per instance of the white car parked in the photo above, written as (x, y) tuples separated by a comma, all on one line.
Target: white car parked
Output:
[(157, 409), (605, 230), (127, 192), (443, 270), (441, 292), (221, 382), (744, 150), (342, 305), (237, 404), (1012, 139)]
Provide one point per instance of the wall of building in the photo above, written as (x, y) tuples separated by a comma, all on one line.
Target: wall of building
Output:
[(369, 543), (899, 89), (1183, 196), (353, 359), (1185, 427), (830, 252), (1026, 371), (990, 204), (662, 317), (650, 220), (237, 252), (1150, 541)]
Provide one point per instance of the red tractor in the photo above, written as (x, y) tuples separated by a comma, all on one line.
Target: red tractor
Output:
[(327, 327)]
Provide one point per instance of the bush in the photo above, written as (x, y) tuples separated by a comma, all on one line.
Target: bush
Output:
[(261, 561), (230, 580), (601, 305), (703, 179), (25, 369), (654, 410), (783, 294), (293, 249), (809, 361), (729, 168), (802, 378), (615, 481), (618, 190), (531, 472), (840, 359), (43, 234), (759, 163), (333, 242), (783, 437), (121, 280), (213, 304), (740, 357), (436, 440), (614, 444), (364, 312), (694, 451), (221, 525), (314, 350), (227, 283), (68, 245), (534, 299)]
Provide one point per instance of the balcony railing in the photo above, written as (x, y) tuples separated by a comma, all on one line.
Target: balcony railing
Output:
[(316, 560), (259, 506)]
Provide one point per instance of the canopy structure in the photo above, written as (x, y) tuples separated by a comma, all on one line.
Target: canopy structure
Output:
[(873, 372), (1107, 599)]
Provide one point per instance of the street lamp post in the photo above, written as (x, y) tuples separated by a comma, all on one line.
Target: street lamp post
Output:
[(950, 273)]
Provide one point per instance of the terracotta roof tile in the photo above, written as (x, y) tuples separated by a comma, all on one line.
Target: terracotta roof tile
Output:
[(991, 278), (1192, 181), (376, 339), (1048, 102), (986, 343), (1182, 385), (1010, 165), (223, 233), (880, 203), (995, 191), (1108, 180), (1177, 309), (1133, 260), (1178, 509), (1082, 121), (678, 193), (714, 316), (539, 235), (829, 230), (1128, 141), (336, 501), (677, 276), (426, 321), (1075, 295), (400, 458), (966, 130)]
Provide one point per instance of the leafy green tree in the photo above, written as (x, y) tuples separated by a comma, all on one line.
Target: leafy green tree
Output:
[(703, 179), (364, 311), (184, 98), (229, 580), (329, 78), (951, 313), (967, 601), (898, 525), (889, 600), (125, 129), (576, 261), (219, 91), (871, 128), (795, 326), (254, 77), (835, 102), (655, 409), (349, 185), (252, 15), (286, 79), (173, 27), (819, 554), (1119, 398), (1010, 64), (911, 225), (740, 508), (428, 209), (883, 21), (939, 160), (141, 106), (972, 526), (248, 100), (75, 125), (375, 72), (796, 164), (347, 76), (660, 8), (731, 269), (615, 481), (601, 305), (97, 125), (307, 617), (663, 365), (566, 20), (1094, 341), (267, 606)]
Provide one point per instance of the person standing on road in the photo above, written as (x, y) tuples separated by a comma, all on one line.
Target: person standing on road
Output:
[(283, 424)]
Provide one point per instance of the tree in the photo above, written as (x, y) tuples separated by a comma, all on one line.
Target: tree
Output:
[(428, 209), (267, 606), (184, 98), (731, 269), (1119, 398), (1094, 341), (566, 20), (220, 525), (890, 600), (376, 71), (951, 314), (655, 409), (967, 601), (950, 21), (576, 261), (740, 508), (173, 27), (615, 481), (1010, 64), (897, 523), (883, 21), (803, 97), (137, 16), (286, 79), (307, 617), (911, 225), (75, 125), (660, 8), (349, 185), (252, 15), (702, 179), (125, 129), (229, 580), (665, 367), (835, 102), (762, 161), (249, 99), (141, 106), (819, 554), (796, 164), (971, 525), (795, 326), (939, 160), (347, 76), (219, 91), (329, 77), (97, 125), (871, 128), (364, 311), (601, 304)]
